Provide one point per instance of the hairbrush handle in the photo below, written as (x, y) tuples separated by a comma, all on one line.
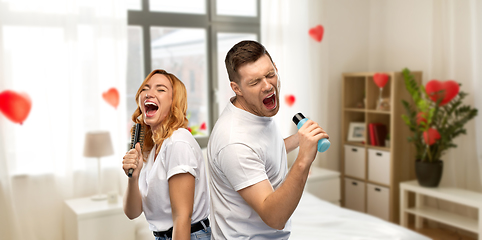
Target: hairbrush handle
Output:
[(134, 141)]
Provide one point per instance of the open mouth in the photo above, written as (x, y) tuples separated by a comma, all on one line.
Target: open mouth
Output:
[(150, 108), (270, 101)]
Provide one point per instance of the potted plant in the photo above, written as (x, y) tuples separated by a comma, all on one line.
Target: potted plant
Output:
[(435, 118)]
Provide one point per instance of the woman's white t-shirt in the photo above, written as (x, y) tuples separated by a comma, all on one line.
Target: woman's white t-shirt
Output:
[(179, 153)]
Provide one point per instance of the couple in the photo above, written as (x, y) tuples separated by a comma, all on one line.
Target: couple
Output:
[(252, 193)]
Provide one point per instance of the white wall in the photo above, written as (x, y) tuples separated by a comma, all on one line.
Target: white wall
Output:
[(346, 38), (399, 35)]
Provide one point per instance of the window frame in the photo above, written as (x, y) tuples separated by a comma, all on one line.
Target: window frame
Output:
[(213, 24)]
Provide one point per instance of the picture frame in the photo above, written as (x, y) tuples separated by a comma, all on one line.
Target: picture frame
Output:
[(356, 132)]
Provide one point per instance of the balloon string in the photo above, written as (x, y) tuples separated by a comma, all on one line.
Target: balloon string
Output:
[(380, 100)]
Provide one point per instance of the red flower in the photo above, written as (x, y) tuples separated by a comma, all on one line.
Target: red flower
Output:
[(421, 118), (431, 136), (203, 126), (188, 128)]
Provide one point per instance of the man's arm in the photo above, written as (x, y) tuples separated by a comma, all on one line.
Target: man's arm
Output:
[(275, 207), (292, 142)]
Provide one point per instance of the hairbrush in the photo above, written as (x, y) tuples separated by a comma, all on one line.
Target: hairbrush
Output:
[(137, 136)]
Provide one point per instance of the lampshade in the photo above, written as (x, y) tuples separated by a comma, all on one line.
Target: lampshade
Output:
[(98, 144)]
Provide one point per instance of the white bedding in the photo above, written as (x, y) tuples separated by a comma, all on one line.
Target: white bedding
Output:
[(318, 219)]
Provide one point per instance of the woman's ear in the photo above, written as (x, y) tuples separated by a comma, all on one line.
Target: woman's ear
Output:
[(236, 88)]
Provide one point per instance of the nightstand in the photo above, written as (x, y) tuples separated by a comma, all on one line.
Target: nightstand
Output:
[(324, 184), (85, 219)]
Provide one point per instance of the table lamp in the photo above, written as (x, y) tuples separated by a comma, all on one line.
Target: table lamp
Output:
[(98, 144)]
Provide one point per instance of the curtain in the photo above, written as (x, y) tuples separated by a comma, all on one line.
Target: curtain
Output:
[(64, 55), (476, 18), (455, 55), (301, 62)]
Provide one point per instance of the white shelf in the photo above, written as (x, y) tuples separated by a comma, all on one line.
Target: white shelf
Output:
[(460, 196), (456, 195), (446, 217)]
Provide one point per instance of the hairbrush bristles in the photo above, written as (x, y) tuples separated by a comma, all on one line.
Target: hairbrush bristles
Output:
[(137, 136)]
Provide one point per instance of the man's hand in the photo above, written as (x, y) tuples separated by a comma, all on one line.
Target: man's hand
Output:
[(309, 135)]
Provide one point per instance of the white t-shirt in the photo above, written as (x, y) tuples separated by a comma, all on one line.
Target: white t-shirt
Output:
[(179, 154), (243, 149)]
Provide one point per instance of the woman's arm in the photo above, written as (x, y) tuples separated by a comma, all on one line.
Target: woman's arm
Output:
[(181, 193), (132, 197)]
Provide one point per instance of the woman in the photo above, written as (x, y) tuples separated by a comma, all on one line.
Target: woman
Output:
[(169, 182)]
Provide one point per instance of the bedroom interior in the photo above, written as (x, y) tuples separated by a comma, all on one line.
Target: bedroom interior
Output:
[(75, 66)]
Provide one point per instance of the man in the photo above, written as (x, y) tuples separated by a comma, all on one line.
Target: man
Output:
[(253, 194)]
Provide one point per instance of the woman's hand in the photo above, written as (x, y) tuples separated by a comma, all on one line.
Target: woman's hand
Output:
[(133, 159)]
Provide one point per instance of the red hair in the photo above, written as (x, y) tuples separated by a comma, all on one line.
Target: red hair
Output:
[(175, 120)]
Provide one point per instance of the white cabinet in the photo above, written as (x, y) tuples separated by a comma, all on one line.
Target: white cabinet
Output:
[(379, 166), (324, 184), (378, 201), (355, 161), (85, 219), (355, 194)]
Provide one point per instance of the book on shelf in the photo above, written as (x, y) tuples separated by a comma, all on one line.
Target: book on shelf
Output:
[(371, 131), (378, 134)]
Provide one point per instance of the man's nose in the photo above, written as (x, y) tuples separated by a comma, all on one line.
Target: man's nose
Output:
[(267, 87)]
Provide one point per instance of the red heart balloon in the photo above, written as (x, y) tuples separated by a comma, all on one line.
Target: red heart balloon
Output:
[(15, 106), (442, 90), (380, 79), (111, 97), (317, 33), (431, 136), (290, 100)]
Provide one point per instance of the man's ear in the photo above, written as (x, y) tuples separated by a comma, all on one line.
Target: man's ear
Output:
[(236, 88)]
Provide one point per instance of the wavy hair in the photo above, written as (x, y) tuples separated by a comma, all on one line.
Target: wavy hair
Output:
[(176, 119)]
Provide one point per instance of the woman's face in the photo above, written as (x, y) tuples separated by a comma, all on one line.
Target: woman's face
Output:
[(155, 100)]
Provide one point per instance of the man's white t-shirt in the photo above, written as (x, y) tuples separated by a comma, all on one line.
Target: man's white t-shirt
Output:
[(179, 153), (243, 149)]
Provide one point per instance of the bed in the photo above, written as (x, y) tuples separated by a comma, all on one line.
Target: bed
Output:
[(318, 219)]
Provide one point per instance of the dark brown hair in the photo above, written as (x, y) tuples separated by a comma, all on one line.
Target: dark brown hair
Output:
[(243, 53)]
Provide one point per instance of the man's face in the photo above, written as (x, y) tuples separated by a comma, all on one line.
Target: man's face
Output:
[(258, 88)]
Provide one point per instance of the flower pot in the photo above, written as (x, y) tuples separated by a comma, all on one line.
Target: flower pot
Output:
[(429, 173)]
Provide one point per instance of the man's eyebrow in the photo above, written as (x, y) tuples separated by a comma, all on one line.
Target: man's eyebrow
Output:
[(259, 78)]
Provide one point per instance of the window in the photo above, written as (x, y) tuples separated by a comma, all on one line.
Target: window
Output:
[(190, 39)]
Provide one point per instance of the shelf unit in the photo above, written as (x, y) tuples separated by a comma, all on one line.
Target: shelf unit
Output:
[(371, 174), (455, 195)]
